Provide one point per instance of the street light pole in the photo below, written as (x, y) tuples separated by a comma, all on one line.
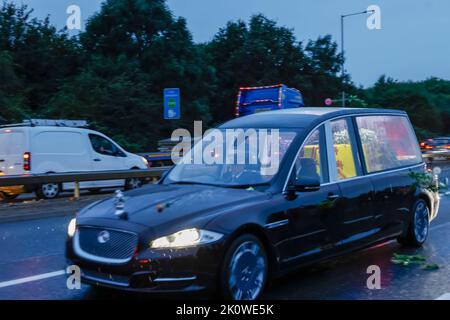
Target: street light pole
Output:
[(342, 49)]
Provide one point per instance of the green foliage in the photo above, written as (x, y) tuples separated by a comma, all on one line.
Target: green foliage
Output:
[(12, 100), (262, 53), (424, 181), (116, 98), (36, 59), (407, 260), (135, 49), (113, 74), (426, 102)]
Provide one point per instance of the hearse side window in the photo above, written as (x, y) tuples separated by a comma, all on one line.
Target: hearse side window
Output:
[(311, 161), (104, 146), (344, 150), (388, 142)]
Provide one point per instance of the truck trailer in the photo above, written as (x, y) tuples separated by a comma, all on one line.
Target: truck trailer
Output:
[(258, 99)]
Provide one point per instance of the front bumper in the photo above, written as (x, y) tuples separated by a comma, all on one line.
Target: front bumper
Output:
[(191, 269)]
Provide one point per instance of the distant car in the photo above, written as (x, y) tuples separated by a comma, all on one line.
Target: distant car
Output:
[(344, 182), (436, 148), (423, 145), (57, 146), (159, 159)]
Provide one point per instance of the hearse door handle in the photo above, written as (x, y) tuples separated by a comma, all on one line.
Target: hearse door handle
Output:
[(2, 160), (333, 196), (97, 160)]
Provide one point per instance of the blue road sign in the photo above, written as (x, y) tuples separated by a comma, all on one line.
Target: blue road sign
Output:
[(172, 103)]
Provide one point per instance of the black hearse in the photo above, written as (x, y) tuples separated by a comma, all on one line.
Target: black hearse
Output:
[(344, 182)]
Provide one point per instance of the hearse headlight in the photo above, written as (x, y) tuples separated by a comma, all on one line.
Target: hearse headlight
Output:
[(72, 227), (186, 238)]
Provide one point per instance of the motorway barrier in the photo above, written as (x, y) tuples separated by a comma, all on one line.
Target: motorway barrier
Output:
[(77, 177)]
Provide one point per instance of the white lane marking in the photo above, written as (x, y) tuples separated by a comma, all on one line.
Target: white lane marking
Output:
[(61, 272), (445, 296), (32, 278)]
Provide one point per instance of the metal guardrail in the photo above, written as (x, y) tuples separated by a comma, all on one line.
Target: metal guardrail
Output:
[(77, 177)]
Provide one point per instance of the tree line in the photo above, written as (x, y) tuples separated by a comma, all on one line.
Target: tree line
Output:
[(113, 73)]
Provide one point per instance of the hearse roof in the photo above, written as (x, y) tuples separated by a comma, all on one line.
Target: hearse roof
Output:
[(299, 117)]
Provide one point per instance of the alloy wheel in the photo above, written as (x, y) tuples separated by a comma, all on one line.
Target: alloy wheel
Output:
[(421, 222), (247, 271), (50, 190)]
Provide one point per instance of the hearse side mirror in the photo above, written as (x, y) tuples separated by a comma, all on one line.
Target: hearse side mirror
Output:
[(305, 184)]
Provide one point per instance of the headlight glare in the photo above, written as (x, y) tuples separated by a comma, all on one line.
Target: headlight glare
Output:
[(72, 227), (186, 238), (145, 161)]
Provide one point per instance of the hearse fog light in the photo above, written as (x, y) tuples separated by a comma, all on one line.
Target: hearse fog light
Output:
[(186, 238)]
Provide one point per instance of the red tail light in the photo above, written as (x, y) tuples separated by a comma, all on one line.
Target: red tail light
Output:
[(428, 147), (27, 161), (447, 147)]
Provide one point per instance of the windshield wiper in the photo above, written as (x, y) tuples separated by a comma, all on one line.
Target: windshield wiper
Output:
[(236, 186), (246, 186)]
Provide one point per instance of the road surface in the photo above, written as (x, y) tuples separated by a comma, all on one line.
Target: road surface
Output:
[(32, 261)]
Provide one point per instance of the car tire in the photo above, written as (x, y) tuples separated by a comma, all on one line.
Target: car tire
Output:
[(419, 225), (244, 271), (48, 190)]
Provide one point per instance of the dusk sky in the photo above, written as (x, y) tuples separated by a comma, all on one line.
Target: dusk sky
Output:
[(412, 44)]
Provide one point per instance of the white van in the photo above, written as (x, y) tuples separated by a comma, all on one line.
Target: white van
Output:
[(56, 146)]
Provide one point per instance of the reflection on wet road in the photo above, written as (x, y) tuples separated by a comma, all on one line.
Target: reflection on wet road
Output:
[(32, 263)]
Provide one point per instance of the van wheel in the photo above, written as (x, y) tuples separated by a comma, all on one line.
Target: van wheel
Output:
[(48, 190), (245, 268), (419, 226), (133, 183), (6, 196)]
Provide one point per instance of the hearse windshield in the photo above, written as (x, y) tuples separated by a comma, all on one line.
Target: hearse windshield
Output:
[(240, 158)]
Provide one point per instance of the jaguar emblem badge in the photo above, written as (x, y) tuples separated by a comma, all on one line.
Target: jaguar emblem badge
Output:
[(103, 236)]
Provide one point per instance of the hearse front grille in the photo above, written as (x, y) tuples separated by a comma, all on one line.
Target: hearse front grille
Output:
[(105, 245)]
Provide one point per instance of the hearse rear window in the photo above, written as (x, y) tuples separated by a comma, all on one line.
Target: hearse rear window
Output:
[(388, 142)]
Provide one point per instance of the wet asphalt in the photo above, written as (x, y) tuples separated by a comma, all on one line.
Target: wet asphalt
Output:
[(34, 246)]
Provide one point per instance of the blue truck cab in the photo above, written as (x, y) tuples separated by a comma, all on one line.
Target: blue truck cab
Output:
[(258, 99)]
